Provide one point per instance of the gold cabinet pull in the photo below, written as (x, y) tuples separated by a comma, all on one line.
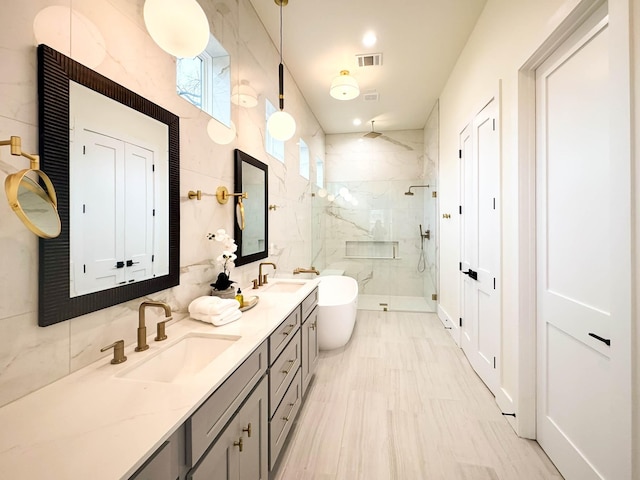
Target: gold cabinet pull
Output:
[(292, 326), (312, 326), (238, 444), (292, 405), (286, 371), (248, 430)]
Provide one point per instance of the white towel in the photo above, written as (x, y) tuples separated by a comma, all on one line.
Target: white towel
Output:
[(218, 320), (209, 305)]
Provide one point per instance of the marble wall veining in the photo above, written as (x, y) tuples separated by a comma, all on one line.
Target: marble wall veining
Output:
[(377, 172), (109, 36)]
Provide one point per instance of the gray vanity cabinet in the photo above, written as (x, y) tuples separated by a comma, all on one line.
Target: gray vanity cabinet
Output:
[(310, 357), (167, 463), (309, 333), (285, 387), (240, 451), (227, 435)]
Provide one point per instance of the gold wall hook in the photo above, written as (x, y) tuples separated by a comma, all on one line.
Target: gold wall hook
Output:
[(223, 195), (197, 194)]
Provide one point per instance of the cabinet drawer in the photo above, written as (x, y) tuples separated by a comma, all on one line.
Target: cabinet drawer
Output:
[(309, 303), (283, 419), (282, 372), (207, 422), (166, 462), (281, 336)]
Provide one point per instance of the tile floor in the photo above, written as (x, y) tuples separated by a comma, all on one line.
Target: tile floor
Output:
[(400, 401)]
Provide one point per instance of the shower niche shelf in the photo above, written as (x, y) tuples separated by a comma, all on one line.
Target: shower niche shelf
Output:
[(387, 250)]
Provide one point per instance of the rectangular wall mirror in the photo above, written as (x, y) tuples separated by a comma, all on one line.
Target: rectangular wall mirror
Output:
[(113, 157), (251, 176)]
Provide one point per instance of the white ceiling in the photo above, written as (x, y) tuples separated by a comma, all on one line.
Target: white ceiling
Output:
[(420, 41)]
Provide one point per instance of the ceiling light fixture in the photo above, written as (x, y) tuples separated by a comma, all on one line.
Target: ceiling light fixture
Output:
[(179, 27), (281, 125), (344, 87), (243, 95), (369, 39)]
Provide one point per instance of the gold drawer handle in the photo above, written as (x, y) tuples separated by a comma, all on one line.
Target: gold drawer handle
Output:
[(291, 362), (238, 444), (248, 430), (292, 325), (292, 405)]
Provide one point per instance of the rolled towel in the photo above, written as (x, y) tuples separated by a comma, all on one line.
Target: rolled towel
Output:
[(207, 305), (218, 320)]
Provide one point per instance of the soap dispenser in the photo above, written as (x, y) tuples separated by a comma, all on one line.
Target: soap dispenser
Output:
[(240, 298)]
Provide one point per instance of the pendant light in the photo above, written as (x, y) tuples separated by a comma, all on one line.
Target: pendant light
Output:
[(281, 125), (344, 87), (179, 27)]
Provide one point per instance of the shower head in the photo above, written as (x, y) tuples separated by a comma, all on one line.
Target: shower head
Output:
[(372, 133), (409, 192)]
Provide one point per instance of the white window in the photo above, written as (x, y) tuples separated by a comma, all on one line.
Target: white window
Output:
[(304, 159), (274, 147), (319, 172), (205, 81)]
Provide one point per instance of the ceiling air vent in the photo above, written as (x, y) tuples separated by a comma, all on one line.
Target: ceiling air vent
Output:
[(370, 96), (369, 60)]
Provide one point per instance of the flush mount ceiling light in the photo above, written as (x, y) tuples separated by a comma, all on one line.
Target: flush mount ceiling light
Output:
[(344, 87), (243, 95), (281, 125), (179, 27)]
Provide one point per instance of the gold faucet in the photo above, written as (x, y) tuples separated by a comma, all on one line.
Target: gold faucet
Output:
[(263, 279), (142, 328), (306, 270)]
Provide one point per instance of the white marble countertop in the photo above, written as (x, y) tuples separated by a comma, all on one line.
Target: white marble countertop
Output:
[(94, 425)]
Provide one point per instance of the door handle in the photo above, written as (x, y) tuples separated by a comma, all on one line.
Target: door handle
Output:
[(606, 341), (472, 274)]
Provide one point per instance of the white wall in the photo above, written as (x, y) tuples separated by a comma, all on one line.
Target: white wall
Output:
[(31, 356), (506, 36)]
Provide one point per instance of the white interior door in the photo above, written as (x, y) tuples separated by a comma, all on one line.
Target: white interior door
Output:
[(480, 167), (139, 214), (576, 386), (468, 241), (98, 225)]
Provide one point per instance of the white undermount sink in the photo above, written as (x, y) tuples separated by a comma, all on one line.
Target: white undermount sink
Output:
[(183, 359), (284, 286)]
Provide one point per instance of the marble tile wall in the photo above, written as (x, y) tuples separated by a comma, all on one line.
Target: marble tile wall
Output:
[(110, 37), (376, 172)]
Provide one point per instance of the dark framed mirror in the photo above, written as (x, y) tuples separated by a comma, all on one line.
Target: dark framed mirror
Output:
[(251, 176), (58, 297)]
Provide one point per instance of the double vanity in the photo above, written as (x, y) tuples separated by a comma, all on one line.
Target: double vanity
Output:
[(209, 402)]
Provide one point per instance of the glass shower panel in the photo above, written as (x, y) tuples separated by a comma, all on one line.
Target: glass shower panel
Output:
[(371, 231)]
